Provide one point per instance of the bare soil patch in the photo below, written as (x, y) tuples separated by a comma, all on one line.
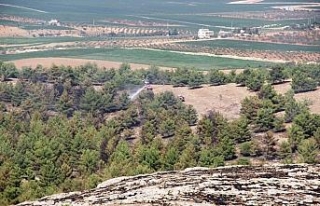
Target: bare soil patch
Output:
[(225, 99), (10, 31), (48, 62)]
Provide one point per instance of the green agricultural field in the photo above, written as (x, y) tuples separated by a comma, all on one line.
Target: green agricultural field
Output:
[(179, 10), (191, 15), (39, 40), (151, 57), (36, 27), (236, 44), (8, 23)]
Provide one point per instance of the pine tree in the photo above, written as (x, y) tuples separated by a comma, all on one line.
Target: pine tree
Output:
[(316, 137), (170, 158), (245, 149), (243, 77), (285, 152), (121, 160), (188, 158), (65, 104), (195, 80), (302, 83), (249, 107), (89, 161), (91, 101), (292, 107), (167, 128), (207, 158), (7, 70), (226, 148), (189, 114), (18, 94), (267, 92), (265, 120), (255, 81), (278, 125), (296, 135), (269, 143), (308, 151), (237, 130), (217, 77), (308, 122), (150, 157), (276, 75), (148, 132)]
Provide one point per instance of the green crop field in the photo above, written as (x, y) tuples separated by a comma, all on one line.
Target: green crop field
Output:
[(179, 10), (191, 15), (35, 27), (40, 40), (150, 57), (236, 44), (8, 23)]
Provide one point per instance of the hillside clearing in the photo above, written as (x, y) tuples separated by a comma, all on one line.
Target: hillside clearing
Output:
[(225, 98)]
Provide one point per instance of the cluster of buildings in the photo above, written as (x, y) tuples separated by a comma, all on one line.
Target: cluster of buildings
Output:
[(245, 31), (54, 22), (205, 34)]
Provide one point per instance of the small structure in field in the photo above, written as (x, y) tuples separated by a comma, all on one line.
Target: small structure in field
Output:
[(205, 33), (224, 34), (54, 22)]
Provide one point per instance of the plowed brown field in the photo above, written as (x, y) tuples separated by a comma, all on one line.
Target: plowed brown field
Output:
[(48, 62)]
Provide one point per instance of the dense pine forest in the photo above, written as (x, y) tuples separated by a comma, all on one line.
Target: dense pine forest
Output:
[(64, 129)]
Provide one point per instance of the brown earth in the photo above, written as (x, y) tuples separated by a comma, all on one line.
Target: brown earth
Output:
[(229, 103), (10, 31), (225, 98), (48, 62)]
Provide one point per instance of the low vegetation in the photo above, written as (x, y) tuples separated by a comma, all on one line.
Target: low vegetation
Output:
[(64, 129)]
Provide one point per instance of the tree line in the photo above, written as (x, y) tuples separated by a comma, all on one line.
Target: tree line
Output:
[(304, 77)]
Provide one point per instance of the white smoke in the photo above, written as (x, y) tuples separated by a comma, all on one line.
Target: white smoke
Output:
[(135, 94)]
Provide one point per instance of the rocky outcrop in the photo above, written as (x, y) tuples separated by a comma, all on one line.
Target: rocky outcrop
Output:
[(297, 184)]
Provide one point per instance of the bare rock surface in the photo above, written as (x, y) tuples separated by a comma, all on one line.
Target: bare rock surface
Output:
[(297, 184)]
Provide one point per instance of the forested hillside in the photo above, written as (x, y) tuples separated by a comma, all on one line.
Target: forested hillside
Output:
[(64, 129)]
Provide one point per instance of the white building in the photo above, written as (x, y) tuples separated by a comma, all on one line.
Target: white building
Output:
[(224, 34), (54, 22), (205, 33)]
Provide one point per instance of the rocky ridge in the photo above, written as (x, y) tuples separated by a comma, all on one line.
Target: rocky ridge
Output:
[(297, 184)]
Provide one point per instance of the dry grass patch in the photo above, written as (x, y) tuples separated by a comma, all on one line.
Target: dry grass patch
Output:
[(226, 98), (48, 62)]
